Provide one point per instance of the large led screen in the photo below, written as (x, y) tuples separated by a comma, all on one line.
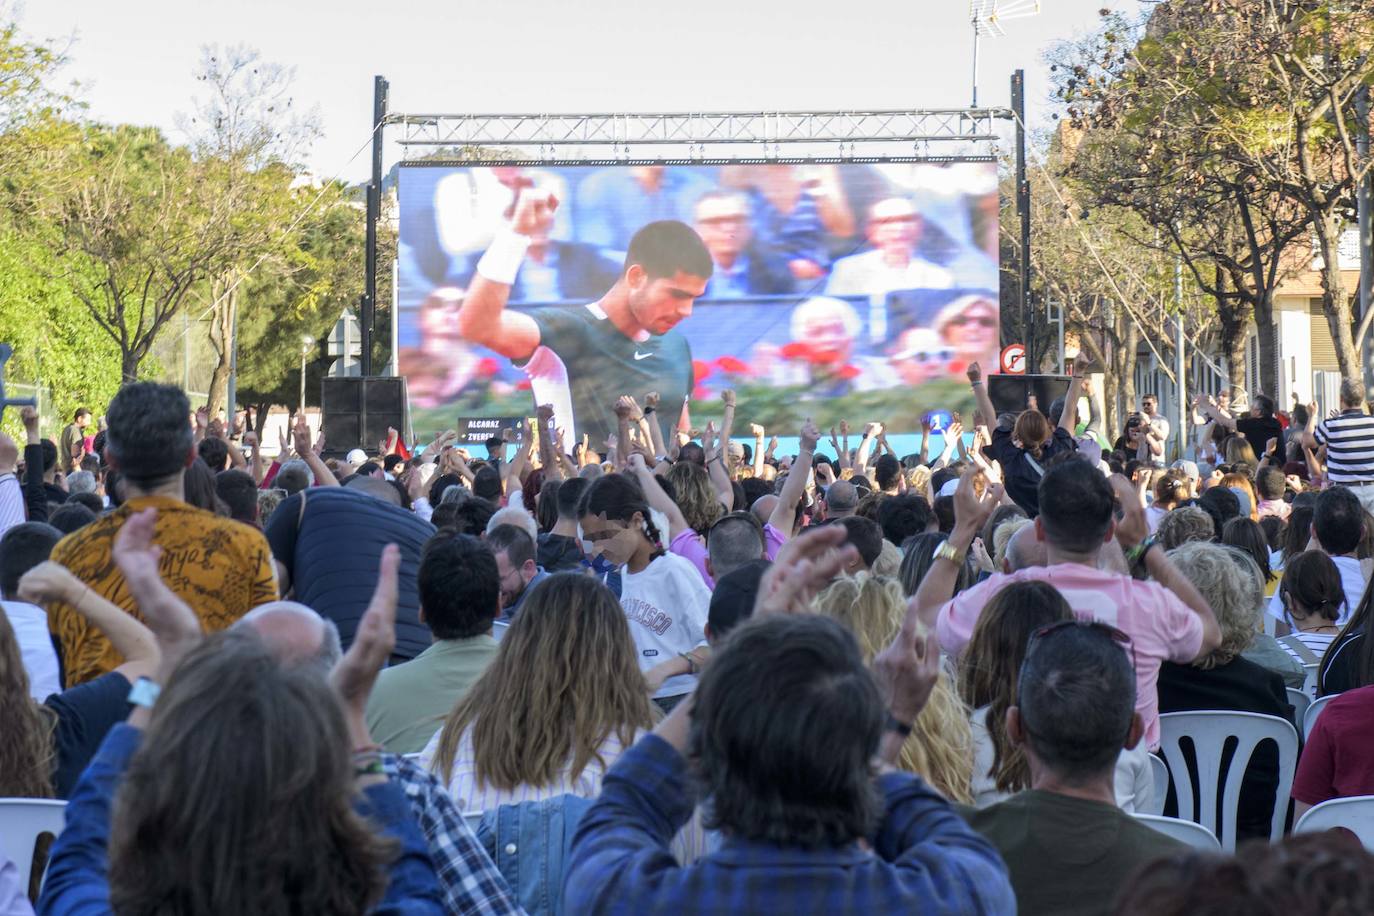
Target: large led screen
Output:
[(855, 291)]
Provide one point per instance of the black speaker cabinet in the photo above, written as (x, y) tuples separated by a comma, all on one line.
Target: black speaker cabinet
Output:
[(357, 411)]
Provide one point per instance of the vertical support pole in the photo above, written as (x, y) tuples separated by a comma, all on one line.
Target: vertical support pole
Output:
[(1364, 207), (367, 308), (1181, 412), (1018, 107)]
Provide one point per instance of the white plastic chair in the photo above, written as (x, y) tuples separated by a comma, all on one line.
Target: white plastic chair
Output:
[(1160, 771), (1209, 732), (1309, 718), (1309, 686), (1355, 814), (1195, 835), (1300, 701), (22, 822)]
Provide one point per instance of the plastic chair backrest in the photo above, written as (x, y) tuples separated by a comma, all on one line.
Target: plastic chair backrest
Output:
[(1355, 814), (1309, 718), (1160, 771), (1309, 685), (1300, 701), (1209, 732), (22, 822), (1195, 835)]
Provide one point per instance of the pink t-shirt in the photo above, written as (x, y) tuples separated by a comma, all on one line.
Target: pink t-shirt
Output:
[(692, 547), (1162, 628)]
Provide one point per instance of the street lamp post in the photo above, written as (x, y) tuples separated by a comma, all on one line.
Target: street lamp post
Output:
[(307, 342)]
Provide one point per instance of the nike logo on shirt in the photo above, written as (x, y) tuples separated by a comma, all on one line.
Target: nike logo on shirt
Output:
[(639, 356)]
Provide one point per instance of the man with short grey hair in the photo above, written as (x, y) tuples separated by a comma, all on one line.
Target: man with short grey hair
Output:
[(841, 499), (296, 634), (1346, 442), (735, 540)]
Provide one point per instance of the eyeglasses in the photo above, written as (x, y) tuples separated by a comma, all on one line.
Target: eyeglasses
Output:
[(931, 356)]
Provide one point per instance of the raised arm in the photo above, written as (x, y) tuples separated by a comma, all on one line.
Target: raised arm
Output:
[(655, 427), (785, 512), (657, 499), (1068, 420), (727, 426), (970, 515), (482, 317), (1217, 415), (50, 582), (323, 476), (924, 456), (513, 470), (871, 431), (1131, 533), (250, 440), (980, 393), (548, 460)]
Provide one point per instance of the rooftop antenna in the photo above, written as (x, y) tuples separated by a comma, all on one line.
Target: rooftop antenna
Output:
[(987, 16)]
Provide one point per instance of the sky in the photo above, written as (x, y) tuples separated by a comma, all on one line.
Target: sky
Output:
[(135, 59)]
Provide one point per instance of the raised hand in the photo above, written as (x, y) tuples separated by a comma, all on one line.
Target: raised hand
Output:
[(533, 212), (250, 439), (907, 671), (651, 400), (805, 565), (284, 442), (727, 397), (48, 582), (354, 674), (757, 430), (29, 415), (975, 373), (844, 427), (545, 413), (969, 508), (300, 434), (1133, 526)]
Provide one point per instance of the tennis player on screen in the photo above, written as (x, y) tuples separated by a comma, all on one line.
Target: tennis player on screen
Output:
[(581, 359)]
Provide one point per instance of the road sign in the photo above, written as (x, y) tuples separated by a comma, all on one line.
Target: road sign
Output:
[(1014, 359)]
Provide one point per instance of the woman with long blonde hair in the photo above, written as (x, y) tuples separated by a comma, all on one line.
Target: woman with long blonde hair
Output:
[(694, 495), (940, 749), (556, 707)]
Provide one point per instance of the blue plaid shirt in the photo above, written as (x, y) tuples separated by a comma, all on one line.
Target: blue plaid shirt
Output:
[(925, 859), (469, 879)]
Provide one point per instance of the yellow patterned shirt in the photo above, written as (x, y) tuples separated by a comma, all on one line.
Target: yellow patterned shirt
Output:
[(220, 567)]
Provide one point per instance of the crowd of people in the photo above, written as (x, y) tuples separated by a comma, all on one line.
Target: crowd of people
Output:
[(686, 675)]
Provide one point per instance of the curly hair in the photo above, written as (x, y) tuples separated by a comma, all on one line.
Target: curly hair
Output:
[(1232, 584), (26, 753), (1184, 524), (940, 748), (695, 496)]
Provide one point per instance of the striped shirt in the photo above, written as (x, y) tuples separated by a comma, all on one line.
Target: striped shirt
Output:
[(1314, 643), (1349, 441)]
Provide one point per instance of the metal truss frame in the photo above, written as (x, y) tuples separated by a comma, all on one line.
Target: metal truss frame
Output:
[(933, 131)]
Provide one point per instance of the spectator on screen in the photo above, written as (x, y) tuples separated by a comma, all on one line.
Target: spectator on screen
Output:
[(552, 271), (743, 267), (223, 569), (969, 326), (797, 209), (894, 232), (613, 203)]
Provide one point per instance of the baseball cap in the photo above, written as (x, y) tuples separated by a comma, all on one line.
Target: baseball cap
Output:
[(1189, 468), (949, 487), (356, 457)]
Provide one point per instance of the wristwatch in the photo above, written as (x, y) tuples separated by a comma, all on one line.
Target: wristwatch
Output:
[(893, 724), (144, 692), (1136, 554), (947, 551)]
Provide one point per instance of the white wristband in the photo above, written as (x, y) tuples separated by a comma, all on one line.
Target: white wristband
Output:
[(503, 257)]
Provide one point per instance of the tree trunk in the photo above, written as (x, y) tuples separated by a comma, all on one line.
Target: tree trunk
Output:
[(1232, 314), (129, 358), (1335, 303), (222, 338), (1126, 359), (1268, 333)]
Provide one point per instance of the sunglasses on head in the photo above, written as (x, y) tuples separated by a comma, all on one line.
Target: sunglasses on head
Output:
[(1119, 636)]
